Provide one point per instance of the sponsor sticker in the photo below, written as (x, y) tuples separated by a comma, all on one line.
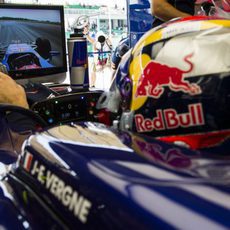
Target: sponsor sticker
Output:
[(170, 119), (156, 76), (64, 192)]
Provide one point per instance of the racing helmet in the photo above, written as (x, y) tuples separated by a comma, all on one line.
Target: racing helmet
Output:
[(175, 83)]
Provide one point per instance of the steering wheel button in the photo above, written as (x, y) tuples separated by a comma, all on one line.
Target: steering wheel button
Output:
[(90, 112), (50, 120)]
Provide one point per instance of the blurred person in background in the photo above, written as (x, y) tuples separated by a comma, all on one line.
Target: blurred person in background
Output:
[(102, 48), (122, 47)]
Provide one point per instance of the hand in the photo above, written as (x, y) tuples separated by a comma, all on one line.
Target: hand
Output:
[(11, 92), (86, 30)]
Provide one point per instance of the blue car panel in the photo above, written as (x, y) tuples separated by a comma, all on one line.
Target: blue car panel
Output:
[(90, 176)]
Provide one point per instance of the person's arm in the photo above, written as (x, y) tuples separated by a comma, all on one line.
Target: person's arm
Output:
[(11, 92), (109, 43), (165, 11), (88, 37)]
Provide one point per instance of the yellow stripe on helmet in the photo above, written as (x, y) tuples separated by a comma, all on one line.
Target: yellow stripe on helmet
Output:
[(136, 69)]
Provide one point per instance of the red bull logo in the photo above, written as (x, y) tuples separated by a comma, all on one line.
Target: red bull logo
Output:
[(171, 119), (157, 76)]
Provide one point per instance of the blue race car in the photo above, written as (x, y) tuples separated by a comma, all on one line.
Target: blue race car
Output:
[(24, 56), (88, 176), (164, 164)]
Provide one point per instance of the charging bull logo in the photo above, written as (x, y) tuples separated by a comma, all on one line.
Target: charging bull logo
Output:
[(157, 76)]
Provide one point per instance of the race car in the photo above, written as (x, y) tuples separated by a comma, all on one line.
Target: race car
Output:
[(22, 56), (57, 173), (89, 176)]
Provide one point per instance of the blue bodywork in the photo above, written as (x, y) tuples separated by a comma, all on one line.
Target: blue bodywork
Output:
[(140, 19), (88, 176), (26, 55)]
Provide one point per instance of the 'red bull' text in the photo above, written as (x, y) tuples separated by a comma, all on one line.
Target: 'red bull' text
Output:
[(171, 119)]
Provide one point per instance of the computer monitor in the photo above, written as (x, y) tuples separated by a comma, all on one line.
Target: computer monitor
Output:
[(32, 42)]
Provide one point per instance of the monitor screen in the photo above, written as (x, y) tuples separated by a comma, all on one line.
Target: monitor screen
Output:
[(32, 40)]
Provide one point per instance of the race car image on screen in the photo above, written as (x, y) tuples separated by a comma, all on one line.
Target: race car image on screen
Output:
[(24, 56), (39, 33)]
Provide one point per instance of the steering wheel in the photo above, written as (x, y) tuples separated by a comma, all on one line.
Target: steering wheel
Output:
[(6, 108)]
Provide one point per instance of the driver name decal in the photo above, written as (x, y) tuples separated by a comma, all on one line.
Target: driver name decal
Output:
[(171, 119), (66, 194)]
